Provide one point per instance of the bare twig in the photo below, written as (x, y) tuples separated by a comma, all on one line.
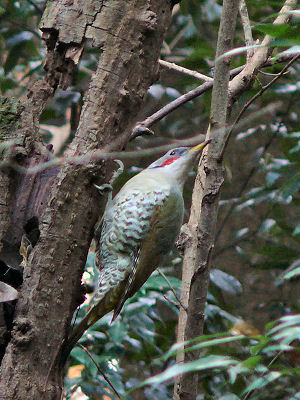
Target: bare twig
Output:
[(185, 71), (173, 105), (37, 8), (170, 286), (258, 94), (95, 156), (249, 394), (245, 79), (166, 47), (99, 369), (70, 393), (254, 168), (180, 35)]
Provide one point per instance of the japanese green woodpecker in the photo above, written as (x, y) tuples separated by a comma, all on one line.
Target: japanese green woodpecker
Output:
[(140, 226)]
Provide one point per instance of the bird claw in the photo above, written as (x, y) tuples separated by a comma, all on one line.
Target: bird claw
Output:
[(108, 187), (25, 250), (118, 172)]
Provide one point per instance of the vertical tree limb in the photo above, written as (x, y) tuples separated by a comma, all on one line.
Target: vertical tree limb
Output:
[(200, 229), (202, 222)]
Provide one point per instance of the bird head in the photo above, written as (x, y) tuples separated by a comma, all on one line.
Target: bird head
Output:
[(178, 162)]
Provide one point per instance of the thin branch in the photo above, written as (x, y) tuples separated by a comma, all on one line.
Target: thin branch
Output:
[(70, 393), (166, 47), (171, 287), (173, 105), (249, 394), (99, 369), (248, 236), (246, 27), (37, 8), (185, 71), (95, 156), (24, 27), (171, 301), (245, 79), (270, 74), (258, 94), (180, 35), (244, 186), (267, 145)]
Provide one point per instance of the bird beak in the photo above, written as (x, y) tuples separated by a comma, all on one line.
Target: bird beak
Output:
[(200, 146)]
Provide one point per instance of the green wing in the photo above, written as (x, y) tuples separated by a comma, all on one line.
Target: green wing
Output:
[(164, 228)]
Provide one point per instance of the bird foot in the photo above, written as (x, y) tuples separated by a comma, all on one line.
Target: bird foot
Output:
[(118, 172), (25, 250), (108, 187)]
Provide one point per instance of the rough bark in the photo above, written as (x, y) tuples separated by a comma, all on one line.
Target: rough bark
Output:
[(132, 34), (10, 111), (198, 237), (22, 146), (25, 148)]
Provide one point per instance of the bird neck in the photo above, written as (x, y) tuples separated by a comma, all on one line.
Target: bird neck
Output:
[(175, 174)]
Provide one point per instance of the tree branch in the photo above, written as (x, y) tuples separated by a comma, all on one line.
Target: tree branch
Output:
[(208, 182), (143, 127), (185, 71), (245, 79), (202, 222), (246, 27)]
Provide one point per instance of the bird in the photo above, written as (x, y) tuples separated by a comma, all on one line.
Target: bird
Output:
[(139, 228)]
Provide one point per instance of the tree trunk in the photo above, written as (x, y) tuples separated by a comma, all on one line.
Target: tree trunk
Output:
[(131, 34)]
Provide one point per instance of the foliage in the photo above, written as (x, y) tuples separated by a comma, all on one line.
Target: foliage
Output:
[(256, 264)]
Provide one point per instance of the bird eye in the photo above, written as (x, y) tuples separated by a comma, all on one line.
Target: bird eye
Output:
[(172, 153)]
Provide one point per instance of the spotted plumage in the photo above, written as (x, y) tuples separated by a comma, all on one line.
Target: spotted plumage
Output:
[(139, 228)]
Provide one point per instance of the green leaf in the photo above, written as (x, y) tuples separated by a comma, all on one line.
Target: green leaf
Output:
[(83, 358), (229, 397), (263, 341), (297, 230), (277, 348), (289, 320), (225, 281), (273, 30), (156, 281), (210, 362), (6, 84), (288, 335), (243, 368), (241, 232), (251, 362), (236, 370), (267, 225), (118, 331), (23, 47), (292, 274), (237, 51), (291, 186), (278, 252), (262, 381), (178, 347), (288, 32)]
